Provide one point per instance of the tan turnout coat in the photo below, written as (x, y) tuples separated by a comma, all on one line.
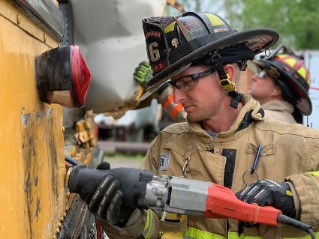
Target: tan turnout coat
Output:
[(279, 110), (288, 153)]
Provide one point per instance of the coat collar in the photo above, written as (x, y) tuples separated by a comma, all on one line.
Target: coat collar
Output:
[(279, 105), (250, 112)]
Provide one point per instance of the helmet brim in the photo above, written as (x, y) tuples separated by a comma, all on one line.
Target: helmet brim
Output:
[(256, 40)]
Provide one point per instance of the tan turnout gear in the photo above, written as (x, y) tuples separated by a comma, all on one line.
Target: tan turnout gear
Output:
[(279, 110), (279, 160), (289, 152)]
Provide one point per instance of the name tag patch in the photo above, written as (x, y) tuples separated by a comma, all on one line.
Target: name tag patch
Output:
[(163, 161)]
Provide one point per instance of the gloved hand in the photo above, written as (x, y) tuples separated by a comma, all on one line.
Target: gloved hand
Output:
[(143, 73), (266, 192), (104, 199)]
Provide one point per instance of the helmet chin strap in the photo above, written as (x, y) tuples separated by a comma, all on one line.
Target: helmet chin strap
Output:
[(226, 84)]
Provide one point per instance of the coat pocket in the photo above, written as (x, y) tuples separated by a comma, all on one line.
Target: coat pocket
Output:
[(171, 158)]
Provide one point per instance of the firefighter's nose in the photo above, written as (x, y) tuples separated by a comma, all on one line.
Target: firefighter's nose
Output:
[(255, 77), (178, 96)]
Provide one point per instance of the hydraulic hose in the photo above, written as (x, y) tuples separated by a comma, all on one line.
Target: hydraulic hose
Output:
[(70, 160), (295, 223)]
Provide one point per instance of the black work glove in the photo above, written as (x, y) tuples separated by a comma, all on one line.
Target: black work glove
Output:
[(104, 199), (266, 192)]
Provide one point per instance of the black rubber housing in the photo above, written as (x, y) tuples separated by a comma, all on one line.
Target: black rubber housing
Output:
[(133, 182)]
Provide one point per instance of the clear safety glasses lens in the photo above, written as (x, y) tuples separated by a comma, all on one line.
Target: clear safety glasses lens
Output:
[(184, 84), (262, 74), (188, 82)]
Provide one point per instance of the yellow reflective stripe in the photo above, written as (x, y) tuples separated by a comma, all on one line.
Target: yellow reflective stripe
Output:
[(290, 62), (148, 224), (302, 72), (193, 233), (305, 237), (170, 27), (314, 173), (214, 20), (234, 235), (282, 55)]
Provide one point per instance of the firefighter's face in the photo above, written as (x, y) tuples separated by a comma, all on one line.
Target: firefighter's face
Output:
[(261, 87), (202, 101)]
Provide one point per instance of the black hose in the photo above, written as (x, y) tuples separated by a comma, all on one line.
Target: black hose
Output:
[(295, 223), (71, 160)]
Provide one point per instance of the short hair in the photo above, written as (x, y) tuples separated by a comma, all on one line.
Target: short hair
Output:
[(237, 77)]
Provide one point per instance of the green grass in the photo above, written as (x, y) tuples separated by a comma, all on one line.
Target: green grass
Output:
[(120, 156)]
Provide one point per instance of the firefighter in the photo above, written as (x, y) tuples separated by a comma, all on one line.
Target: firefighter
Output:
[(282, 93), (164, 95), (224, 133)]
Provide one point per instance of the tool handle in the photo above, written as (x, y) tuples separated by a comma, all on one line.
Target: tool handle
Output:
[(222, 202)]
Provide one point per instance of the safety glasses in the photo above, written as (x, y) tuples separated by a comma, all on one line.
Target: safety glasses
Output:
[(187, 83), (262, 74)]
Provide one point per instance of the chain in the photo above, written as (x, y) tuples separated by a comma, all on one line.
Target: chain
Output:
[(189, 149), (185, 167)]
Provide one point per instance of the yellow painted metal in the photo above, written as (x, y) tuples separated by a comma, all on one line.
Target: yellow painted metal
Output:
[(32, 168), (86, 135)]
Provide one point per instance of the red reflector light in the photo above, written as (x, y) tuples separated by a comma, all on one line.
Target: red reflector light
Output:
[(81, 76), (63, 77), (96, 130)]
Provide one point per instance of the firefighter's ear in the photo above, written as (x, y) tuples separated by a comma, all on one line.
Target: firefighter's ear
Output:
[(230, 71), (276, 92)]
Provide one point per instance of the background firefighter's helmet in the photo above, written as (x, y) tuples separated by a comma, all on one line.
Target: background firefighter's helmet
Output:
[(174, 43), (291, 74)]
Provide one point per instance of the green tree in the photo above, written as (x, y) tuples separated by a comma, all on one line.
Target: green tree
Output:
[(189, 5), (295, 20)]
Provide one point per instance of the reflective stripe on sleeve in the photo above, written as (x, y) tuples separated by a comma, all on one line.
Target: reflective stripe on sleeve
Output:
[(234, 235), (314, 173), (148, 224), (193, 233), (175, 110), (171, 107), (168, 102)]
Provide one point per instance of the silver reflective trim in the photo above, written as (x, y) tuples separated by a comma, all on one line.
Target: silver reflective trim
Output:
[(44, 14)]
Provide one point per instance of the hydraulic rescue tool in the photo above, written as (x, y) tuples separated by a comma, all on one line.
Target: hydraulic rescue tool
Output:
[(144, 190)]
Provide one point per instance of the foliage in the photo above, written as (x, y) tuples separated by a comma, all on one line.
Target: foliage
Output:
[(127, 155), (189, 5), (295, 20)]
